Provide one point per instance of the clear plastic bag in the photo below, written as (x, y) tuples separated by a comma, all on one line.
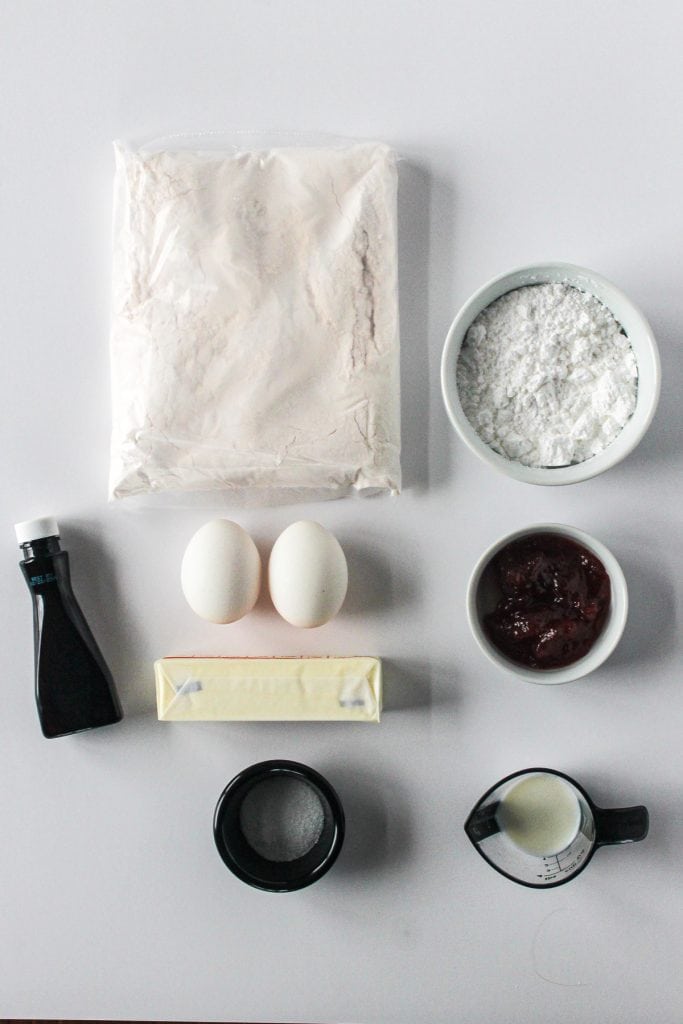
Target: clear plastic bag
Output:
[(254, 342)]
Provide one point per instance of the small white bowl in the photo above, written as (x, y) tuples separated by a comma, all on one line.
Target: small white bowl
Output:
[(482, 596), (637, 330)]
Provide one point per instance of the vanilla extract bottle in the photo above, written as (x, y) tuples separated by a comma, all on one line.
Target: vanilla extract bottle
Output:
[(73, 686)]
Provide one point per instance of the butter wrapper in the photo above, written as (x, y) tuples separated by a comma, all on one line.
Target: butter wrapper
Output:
[(268, 689)]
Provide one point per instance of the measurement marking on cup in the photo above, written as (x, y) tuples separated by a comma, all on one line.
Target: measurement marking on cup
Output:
[(558, 863)]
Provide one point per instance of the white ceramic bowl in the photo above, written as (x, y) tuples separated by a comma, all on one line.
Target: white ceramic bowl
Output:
[(483, 594), (639, 334)]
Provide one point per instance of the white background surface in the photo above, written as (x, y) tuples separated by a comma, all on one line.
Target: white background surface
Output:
[(535, 130)]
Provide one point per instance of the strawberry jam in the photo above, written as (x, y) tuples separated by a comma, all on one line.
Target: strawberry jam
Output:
[(555, 596)]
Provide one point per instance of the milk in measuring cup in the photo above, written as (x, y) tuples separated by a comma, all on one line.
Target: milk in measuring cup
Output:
[(540, 815)]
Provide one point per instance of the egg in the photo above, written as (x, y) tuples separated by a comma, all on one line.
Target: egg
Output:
[(307, 574), (221, 572)]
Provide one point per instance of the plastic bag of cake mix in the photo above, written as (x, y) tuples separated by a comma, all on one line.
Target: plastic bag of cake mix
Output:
[(254, 336)]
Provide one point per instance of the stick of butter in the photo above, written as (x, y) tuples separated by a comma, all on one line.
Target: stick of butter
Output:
[(268, 689)]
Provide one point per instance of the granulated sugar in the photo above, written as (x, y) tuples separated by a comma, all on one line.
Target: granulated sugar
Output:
[(546, 376), (282, 818)]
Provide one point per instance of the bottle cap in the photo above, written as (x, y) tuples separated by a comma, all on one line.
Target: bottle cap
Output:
[(34, 529)]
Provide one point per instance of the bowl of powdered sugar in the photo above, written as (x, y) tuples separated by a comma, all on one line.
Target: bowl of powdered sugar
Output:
[(550, 374)]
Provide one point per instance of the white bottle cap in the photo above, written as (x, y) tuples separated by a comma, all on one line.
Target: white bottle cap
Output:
[(34, 529)]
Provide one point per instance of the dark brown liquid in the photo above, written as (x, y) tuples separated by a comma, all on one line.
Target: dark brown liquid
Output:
[(554, 603), (74, 688)]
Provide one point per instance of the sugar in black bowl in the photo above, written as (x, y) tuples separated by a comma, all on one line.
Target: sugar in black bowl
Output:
[(279, 826)]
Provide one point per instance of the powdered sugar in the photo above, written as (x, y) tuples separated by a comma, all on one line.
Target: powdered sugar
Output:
[(546, 376)]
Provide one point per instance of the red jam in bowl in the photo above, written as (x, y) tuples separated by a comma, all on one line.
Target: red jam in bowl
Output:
[(554, 600)]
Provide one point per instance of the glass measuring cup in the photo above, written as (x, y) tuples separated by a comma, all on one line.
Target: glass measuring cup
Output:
[(539, 827)]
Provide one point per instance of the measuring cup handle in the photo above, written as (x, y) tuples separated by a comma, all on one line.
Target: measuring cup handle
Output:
[(620, 824)]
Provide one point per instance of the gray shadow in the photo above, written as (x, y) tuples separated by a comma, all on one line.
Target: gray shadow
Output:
[(379, 834), (413, 263), (417, 683), (374, 583), (264, 604), (99, 591), (662, 442), (664, 836), (650, 633), (443, 305), (425, 219)]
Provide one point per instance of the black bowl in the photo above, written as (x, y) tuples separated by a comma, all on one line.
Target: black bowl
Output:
[(250, 866)]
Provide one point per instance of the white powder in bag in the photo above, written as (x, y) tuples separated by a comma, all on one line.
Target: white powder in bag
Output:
[(254, 337)]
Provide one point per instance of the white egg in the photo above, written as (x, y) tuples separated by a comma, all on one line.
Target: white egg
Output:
[(307, 574), (221, 572)]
